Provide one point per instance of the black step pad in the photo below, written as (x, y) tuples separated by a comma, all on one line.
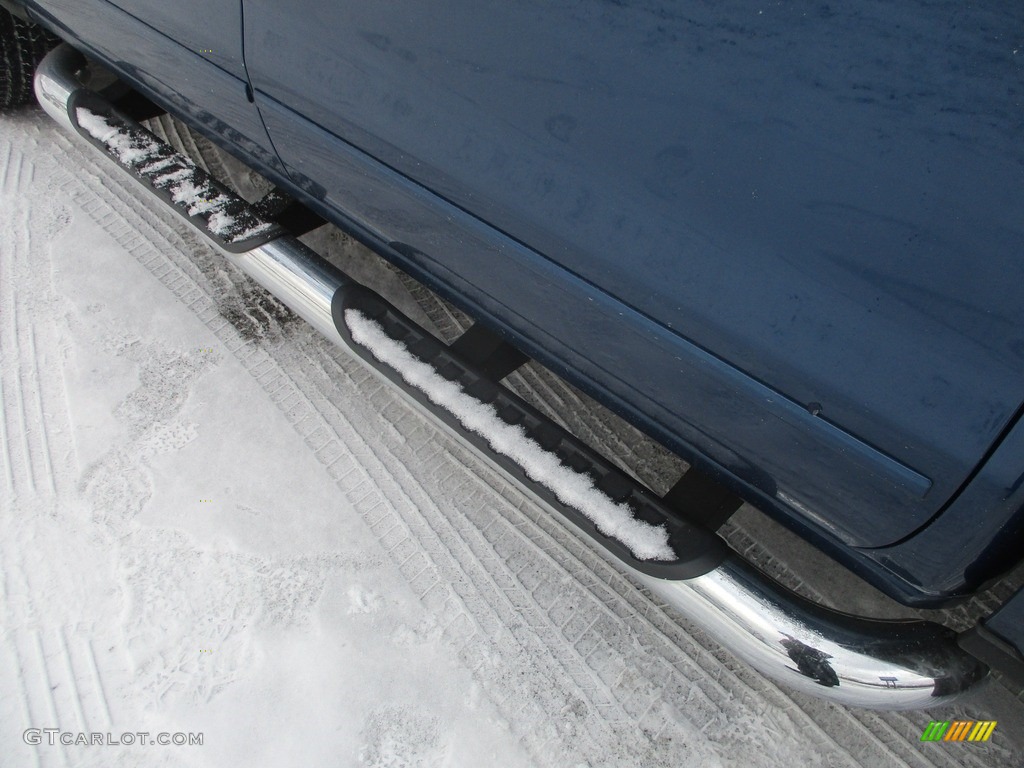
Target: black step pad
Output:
[(211, 207), (697, 551)]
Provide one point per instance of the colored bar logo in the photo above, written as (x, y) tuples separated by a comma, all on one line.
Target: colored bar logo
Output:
[(959, 730)]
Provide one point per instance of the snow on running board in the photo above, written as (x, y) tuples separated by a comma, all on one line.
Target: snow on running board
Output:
[(645, 541), (187, 186)]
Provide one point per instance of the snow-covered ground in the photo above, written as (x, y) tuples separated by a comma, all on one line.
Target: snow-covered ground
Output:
[(213, 522)]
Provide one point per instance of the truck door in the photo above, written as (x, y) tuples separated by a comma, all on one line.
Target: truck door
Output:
[(818, 216), (186, 53)]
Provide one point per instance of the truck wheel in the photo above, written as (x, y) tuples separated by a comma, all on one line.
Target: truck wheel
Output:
[(22, 47)]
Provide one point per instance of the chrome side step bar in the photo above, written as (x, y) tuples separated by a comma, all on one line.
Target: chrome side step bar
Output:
[(847, 659)]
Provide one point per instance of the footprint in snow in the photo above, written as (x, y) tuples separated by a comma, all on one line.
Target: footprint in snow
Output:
[(402, 737)]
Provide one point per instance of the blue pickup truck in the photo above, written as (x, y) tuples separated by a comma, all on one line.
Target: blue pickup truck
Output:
[(786, 241)]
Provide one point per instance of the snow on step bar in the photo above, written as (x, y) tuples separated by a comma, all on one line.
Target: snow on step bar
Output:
[(847, 659)]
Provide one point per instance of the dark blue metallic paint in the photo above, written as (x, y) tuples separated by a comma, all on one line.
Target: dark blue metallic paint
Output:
[(211, 98), (772, 205), (212, 30), (610, 349), (802, 196), (973, 541)]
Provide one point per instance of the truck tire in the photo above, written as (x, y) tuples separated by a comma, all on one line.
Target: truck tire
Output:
[(22, 47)]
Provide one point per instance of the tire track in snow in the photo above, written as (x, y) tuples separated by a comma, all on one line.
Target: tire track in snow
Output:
[(69, 671), (496, 586), (16, 179), (827, 724), (505, 591), (46, 693), (179, 673), (398, 533), (17, 664), (44, 440), (17, 445), (56, 447), (39, 462), (5, 166), (24, 638), (5, 446), (101, 695), (10, 171), (19, 395), (58, 685), (28, 377)]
